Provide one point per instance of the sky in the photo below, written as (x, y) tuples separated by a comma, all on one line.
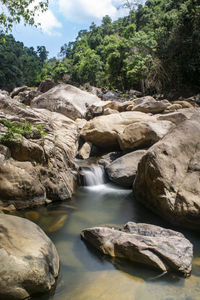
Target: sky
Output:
[(63, 20)]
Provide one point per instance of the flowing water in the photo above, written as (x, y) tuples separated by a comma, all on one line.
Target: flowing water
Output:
[(86, 274)]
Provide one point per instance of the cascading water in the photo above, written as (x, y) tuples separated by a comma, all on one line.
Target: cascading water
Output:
[(94, 179), (93, 175)]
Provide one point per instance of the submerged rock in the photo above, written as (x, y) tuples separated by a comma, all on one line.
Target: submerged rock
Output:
[(29, 262), (151, 245)]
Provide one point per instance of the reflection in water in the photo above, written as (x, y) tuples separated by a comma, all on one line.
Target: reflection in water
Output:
[(85, 273)]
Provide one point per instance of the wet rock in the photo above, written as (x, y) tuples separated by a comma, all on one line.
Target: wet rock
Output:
[(151, 245), (107, 159), (168, 175), (123, 170), (29, 262)]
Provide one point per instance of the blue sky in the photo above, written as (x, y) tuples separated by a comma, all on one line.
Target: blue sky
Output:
[(64, 18)]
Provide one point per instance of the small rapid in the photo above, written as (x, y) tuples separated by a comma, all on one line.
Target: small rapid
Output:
[(94, 179), (93, 176)]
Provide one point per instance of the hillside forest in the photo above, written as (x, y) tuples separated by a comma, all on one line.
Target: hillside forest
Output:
[(154, 49)]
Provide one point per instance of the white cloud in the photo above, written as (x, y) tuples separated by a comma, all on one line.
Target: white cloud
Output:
[(48, 22), (86, 11)]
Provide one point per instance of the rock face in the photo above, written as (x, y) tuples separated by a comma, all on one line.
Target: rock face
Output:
[(123, 170), (36, 168), (29, 262), (46, 85), (103, 131), (18, 90), (67, 100), (168, 175), (151, 245), (143, 134), (153, 107)]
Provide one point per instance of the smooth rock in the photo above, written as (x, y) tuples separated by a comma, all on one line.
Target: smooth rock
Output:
[(151, 245), (150, 107), (29, 262), (84, 152), (143, 134), (103, 131), (123, 170), (67, 100), (168, 175)]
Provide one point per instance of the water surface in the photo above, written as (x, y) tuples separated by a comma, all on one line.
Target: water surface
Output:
[(88, 275)]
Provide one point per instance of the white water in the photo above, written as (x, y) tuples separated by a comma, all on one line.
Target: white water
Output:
[(93, 176), (95, 180)]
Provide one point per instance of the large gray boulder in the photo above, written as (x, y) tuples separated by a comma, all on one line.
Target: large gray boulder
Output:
[(122, 171), (67, 100), (168, 175), (36, 168), (29, 262), (151, 245)]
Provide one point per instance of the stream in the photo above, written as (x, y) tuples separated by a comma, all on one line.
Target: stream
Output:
[(85, 273)]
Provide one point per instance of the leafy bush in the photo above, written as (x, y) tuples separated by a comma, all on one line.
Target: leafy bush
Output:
[(17, 131)]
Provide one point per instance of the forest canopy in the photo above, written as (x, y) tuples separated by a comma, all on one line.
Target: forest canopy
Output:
[(155, 48)]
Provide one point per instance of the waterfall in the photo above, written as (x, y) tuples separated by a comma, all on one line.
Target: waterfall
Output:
[(93, 175)]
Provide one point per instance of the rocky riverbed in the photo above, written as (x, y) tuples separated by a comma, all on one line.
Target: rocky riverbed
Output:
[(149, 145)]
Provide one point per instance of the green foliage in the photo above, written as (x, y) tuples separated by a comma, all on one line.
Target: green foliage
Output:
[(16, 131), (17, 11), (156, 48), (19, 65)]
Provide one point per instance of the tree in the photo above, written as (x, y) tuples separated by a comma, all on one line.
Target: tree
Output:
[(17, 11)]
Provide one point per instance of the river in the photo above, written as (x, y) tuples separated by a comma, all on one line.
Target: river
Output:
[(86, 274)]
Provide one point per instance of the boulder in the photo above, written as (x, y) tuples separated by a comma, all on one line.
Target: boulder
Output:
[(109, 111), (103, 131), (183, 103), (36, 168), (151, 245), (17, 90), (123, 170), (46, 85), (108, 158), (143, 134), (26, 96), (110, 95), (168, 175), (29, 262), (84, 152), (153, 107), (67, 100)]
